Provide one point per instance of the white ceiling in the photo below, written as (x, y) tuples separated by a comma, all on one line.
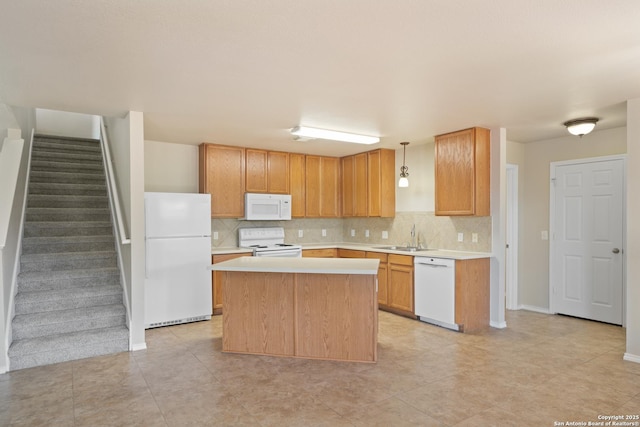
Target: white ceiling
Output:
[(243, 72)]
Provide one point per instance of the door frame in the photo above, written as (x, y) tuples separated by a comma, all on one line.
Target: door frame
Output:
[(512, 238), (552, 210)]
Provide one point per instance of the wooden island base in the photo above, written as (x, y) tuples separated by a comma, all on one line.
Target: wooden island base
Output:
[(307, 315)]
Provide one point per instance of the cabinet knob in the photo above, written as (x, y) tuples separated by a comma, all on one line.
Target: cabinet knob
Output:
[(616, 251)]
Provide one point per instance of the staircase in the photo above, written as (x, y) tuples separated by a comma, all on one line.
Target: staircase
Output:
[(69, 301)]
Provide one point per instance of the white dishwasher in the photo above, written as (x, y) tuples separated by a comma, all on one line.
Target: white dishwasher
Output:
[(435, 291)]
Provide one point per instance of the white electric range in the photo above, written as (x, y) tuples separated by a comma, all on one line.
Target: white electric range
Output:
[(267, 242)]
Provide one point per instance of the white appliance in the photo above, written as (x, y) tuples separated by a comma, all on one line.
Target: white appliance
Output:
[(261, 206), (267, 242), (435, 291), (177, 286)]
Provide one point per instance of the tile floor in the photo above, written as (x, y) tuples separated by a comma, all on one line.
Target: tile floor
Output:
[(541, 370)]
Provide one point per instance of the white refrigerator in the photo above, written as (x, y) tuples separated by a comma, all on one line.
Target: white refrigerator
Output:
[(177, 286)]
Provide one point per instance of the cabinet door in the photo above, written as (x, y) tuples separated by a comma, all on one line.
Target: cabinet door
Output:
[(312, 186), (381, 184), (221, 174), (347, 186), (400, 283), (321, 186), (360, 185), (383, 291), (256, 171), (278, 172), (462, 173), (297, 184), (329, 187), (216, 280)]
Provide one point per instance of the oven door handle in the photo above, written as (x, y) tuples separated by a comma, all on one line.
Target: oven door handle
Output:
[(293, 253)]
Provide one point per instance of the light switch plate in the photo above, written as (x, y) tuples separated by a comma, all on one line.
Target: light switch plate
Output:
[(474, 237), (544, 235), (324, 232), (460, 237), (353, 233), (385, 234), (366, 233), (300, 233), (215, 235)]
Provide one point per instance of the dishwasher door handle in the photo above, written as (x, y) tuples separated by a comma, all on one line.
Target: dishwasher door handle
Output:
[(432, 265)]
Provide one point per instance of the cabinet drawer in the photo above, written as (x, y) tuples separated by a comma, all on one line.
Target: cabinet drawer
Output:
[(319, 253), (400, 259), (350, 253), (379, 255)]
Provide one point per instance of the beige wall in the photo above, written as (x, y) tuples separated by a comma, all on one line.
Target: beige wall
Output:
[(533, 272), (171, 168)]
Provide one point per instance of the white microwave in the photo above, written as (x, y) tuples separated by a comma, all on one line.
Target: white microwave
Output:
[(261, 206)]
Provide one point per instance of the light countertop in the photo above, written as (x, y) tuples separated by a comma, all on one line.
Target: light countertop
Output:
[(430, 253), (299, 265)]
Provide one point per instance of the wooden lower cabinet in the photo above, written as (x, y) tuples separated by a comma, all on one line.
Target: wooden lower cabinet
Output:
[(320, 253), (216, 280), (400, 285), (383, 286), (472, 304)]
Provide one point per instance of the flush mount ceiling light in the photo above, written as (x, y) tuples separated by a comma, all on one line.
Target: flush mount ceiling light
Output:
[(404, 170), (581, 127), (313, 133)]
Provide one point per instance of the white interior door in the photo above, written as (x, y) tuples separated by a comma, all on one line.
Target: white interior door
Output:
[(587, 235)]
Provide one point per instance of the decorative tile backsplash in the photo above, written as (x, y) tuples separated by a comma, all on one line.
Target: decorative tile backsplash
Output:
[(437, 232)]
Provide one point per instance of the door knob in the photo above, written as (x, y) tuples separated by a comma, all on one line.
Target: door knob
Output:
[(616, 251)]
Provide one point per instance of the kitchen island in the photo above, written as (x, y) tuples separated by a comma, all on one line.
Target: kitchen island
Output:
[(313, 308)]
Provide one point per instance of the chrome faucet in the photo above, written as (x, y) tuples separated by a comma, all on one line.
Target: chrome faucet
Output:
[(413, 244)]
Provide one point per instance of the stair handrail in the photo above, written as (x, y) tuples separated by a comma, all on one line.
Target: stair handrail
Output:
[(112, 188)]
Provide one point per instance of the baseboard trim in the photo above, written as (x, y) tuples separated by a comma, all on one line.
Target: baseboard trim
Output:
[(534, 308), (631, 357), (138, 347), (499, 325)]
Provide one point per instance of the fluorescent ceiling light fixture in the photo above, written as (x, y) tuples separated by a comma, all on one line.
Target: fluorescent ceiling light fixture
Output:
[(581, 127), (314, 133)]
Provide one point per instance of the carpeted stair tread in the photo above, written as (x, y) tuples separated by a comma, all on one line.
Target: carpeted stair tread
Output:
[(64, 279), (67, 260), (67, 228), (79, 189), (70, 320), (67, 201), (71, 346), (66, 299), (70, 167), (42, 154), (67, 214), (66, 177), (39, 245)]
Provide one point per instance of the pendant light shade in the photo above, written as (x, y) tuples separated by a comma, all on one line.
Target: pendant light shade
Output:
[(404, 170), (581, 127)]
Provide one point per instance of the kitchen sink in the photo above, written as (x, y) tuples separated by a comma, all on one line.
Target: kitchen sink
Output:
[(404, 248)]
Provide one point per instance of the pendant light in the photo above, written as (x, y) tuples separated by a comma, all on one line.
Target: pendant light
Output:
[(404, 170)]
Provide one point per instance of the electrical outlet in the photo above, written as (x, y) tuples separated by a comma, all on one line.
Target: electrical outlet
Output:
[(474, 237), (300, 233), (215, 235), (324, 232), (385, 234), (366, 233), (353, 233), (460, 237)]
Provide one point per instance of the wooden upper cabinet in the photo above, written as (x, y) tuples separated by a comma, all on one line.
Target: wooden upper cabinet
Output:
[(221, 173), (462, 173), (368, 184), (322, 193), (297, 184), (278, 172), (381, 183), (267, 171)]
